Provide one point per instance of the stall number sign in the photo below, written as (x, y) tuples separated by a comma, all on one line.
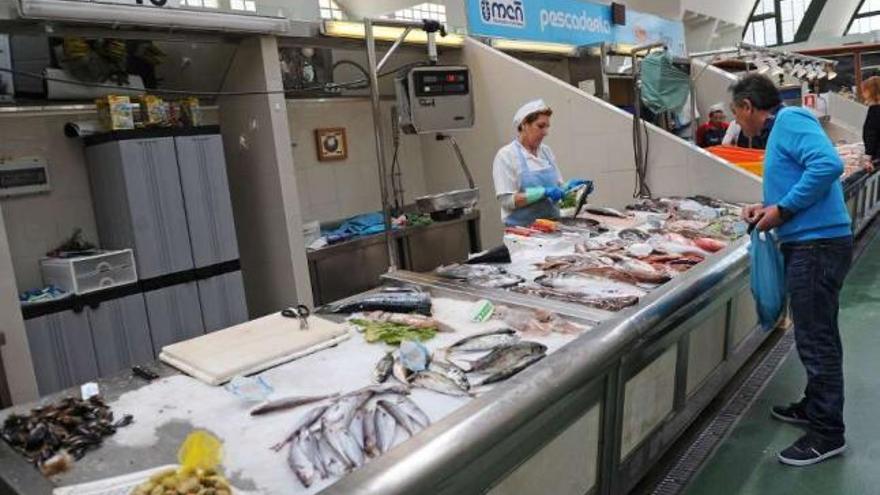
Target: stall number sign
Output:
[(573, 22)]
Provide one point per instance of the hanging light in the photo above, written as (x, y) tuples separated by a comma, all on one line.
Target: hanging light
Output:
[(798, 70), (811, 72), (830, 70), (821, 74), (763, 66)]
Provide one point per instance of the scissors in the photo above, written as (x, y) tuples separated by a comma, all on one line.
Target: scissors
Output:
[(300, 311)]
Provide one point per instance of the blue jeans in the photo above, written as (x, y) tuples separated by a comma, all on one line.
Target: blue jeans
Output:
[(814, 273)]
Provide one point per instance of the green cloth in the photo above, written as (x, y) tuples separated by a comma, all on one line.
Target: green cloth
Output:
[(664, 86)]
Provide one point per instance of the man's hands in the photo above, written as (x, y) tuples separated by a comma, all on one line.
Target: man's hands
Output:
[(766, 218)]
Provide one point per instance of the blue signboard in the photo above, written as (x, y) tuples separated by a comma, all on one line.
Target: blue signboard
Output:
[(572, 22), (641, 29)]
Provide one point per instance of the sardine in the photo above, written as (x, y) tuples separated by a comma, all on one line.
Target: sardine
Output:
[(400, 416), (304, 422), (509, 372), (383, 368), (344, 443), (300, 462), (357, 428), (341, 412), (485, 341), (413, 411), (386, 428), (332, 461), (506, 357), (288, 403), (391, 301), (371, 442), (452, 371), (310, 446), (438, 383)]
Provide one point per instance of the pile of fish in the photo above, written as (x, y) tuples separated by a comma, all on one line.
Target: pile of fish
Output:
[(505, 355), (51, 435), (336, 438), (480, 275)]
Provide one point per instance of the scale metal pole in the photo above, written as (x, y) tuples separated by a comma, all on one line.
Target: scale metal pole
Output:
[(380, 142)]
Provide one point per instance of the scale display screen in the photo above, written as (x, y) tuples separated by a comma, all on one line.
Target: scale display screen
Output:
[(441, 82)]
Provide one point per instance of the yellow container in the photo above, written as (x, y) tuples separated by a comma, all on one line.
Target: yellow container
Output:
[(756, 168)]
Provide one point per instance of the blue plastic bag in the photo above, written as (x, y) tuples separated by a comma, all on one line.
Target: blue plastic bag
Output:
[(768, 277)]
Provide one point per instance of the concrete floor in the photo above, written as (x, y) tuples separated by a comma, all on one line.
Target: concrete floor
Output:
[(746, 461)]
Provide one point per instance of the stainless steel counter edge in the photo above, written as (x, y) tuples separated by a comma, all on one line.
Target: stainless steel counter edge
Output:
[(439, 452)]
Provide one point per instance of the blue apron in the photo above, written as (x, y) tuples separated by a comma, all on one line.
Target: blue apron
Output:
[(543, 208)]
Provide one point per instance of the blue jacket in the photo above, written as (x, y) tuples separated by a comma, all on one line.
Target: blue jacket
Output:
[(802, 174)]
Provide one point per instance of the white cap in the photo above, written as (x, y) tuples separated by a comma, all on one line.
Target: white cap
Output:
[(718, 107), (529, 108)]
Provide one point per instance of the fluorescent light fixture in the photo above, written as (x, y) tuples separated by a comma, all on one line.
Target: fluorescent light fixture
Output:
[(99, 12), (533, 46), (355, 30), (811, 72)]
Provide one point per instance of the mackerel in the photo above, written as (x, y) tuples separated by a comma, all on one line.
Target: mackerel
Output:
[(485, 341), (506, 357), (432, 380)]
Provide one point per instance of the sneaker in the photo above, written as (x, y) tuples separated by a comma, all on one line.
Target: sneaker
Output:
[(793, 413), (810, 449)]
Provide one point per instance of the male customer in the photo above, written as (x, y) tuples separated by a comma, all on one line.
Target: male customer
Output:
[(803, 201)]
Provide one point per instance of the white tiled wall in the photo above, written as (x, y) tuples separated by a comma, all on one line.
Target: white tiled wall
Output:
[(337, 189)]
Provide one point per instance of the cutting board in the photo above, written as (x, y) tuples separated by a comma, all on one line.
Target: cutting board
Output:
[(251, 347)]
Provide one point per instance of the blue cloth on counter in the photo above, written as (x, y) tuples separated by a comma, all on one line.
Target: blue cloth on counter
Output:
[(356, 226)]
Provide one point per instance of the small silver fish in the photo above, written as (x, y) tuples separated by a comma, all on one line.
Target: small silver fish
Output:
[(386, 428), (371, 442), (413, 411), (310, 445), (357, 427), (304, 422), (300, 462), (344, 444), (400, 416), (452, 371), (432, 380), (505, 357), (383, 368), (332, 461), (485, 341)]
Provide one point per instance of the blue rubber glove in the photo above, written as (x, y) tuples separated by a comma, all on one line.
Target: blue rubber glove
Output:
[(573, 183), (554, 194)]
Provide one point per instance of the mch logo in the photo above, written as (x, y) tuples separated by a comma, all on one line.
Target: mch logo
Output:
[(503, 12)]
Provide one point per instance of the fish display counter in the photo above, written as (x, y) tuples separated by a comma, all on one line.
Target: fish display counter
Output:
[(571, 369)]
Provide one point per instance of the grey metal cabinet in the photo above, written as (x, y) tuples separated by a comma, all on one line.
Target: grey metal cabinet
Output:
[(62, 350), (174, 313), (206, 196), (139, 203), (223, 301), (121, 333)]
